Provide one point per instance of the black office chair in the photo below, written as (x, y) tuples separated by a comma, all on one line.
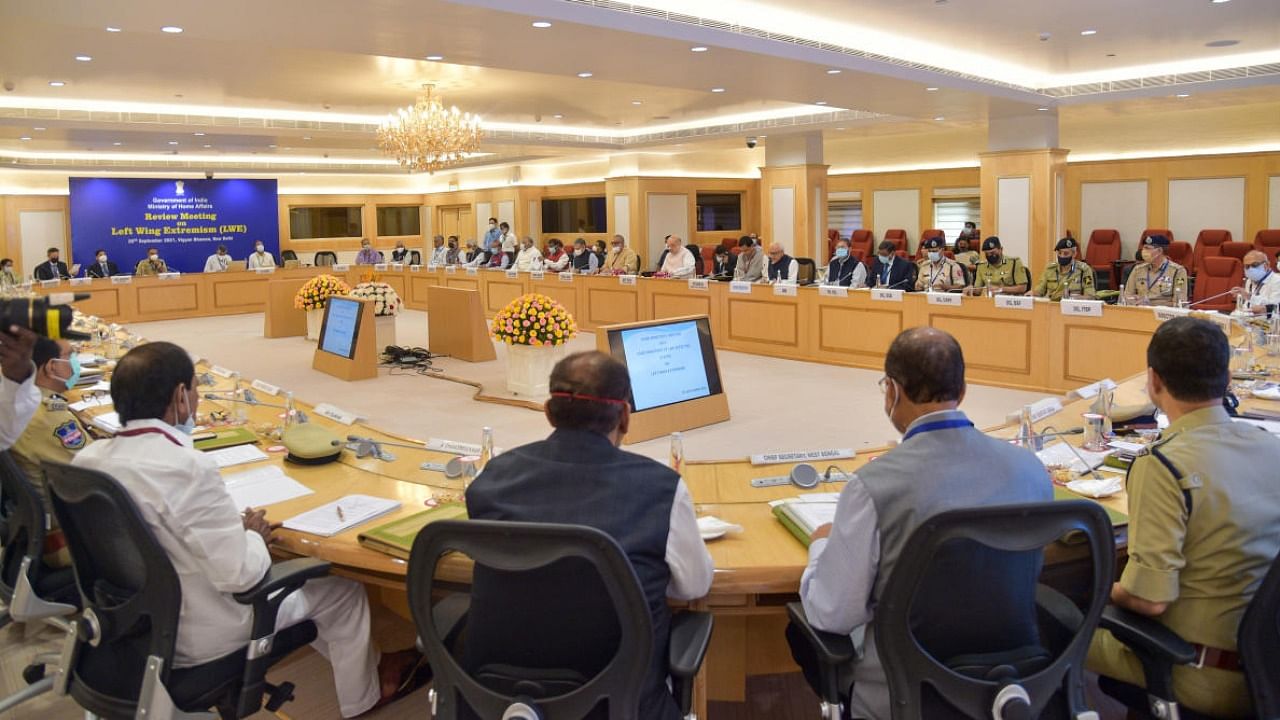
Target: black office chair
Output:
[(288, 255), (325, 258), (30, 591), (415, 257), (117, 659), (1159, 649), (582, 568), (807, 270), (920, 609)]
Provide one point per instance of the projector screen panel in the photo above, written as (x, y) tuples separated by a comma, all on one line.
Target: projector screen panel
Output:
[(341, 327)]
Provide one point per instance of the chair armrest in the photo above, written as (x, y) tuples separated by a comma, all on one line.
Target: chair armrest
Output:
[(1059, 608), (686, 649), (289, 575), (832, 651), (450, 617), (1157, 647)]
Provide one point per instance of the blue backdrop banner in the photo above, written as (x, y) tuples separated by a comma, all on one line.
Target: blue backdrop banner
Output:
[(185, 220)]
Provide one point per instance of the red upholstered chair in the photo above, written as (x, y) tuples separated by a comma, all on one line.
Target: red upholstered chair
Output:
[(1218, 275), (1268, 241), (857, 254), (730, 243), (1102, 250), (862, 240), (898, 237), (1180, 252), (833, 237), (708, 258), (1208, 244), (1236, 250)]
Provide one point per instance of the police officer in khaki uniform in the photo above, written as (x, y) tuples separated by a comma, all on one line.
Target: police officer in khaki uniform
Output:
[(1002, 274), (1204, 522), (54, 433), (1067, 277), (937, 272), (1158, 280)]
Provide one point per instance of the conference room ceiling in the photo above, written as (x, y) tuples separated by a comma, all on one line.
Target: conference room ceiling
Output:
[(300, 83)]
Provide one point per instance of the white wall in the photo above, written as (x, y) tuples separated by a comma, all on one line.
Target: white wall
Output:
[(535, 219), (783, 227), (1214, 203), (1120, 206), (668, 215), (621, 220), (897, 209), (507, 213), (1013, 216), (484, 211), (41, 230), (1273, 204)]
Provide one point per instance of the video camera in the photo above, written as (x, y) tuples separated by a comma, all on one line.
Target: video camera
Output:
[(49, 316)]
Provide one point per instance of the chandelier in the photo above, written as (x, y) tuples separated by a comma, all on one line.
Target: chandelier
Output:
[(426, 137)]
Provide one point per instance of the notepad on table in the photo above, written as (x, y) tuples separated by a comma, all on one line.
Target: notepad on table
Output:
[(802, 515), (107, 422), (341, 515), (262, 486), (236, 455), (1060, 454), (223, 437), (396, 537)]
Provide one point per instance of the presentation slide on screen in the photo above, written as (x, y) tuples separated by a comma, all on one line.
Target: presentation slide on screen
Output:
[(340, 327), (665, 363), (185, 220)]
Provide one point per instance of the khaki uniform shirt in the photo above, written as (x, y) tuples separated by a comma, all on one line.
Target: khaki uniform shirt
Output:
[(1009, 272), (1158, 285), (969, 258), (1204, 523), (52, 435), (945, 275), (146, 267), (1076, 279), (626, 260)]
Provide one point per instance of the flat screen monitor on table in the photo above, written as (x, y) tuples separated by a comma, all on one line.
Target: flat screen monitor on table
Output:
[(669, 362)]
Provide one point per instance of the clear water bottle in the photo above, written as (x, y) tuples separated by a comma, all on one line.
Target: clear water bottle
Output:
[(290, 413), (486, 448), (677, 453), (238, 400)]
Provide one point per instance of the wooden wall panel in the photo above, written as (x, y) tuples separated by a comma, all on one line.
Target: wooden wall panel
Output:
[(609, 306)]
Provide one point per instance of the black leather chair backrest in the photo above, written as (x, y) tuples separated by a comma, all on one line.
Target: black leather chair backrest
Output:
[(807, 270), (415, 257), (23, 525), (126, 581), (1259, 645), (288, 255), (325, 258), (521, 552), (978, 545)]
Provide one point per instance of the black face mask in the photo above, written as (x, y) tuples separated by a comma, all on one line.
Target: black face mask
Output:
[(993, 258), (1064, 261)]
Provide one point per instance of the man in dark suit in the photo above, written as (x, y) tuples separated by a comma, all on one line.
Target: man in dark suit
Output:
[(890, 271), (53, 268), (579, 475), (102, 267)]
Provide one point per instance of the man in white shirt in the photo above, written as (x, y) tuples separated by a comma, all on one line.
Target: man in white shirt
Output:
[(216, 550), (530, 257), (260, 258), (219, 261), (679, 261), (19, 396), (439, 252), (1261, 285), (507, 239)]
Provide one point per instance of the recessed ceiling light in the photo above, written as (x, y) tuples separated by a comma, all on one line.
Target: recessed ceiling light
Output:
[(834, 71), (25, 137), (698, 48), (198, 134), (1222, 43), (1043, 109), (820, 102), (1088, 32), (939, 118), (717, 90), (541, 24), (271, 145), (209, 146), (435, 58), (558, 116), (117, 144), (931, 89), (584, 75), (56, 83), (840, 128), (84, 58), (112, 28), (1183, 95), (306, 137), (173, 142), (173, 29), (636, 102), (1219, 2), (38, 129)]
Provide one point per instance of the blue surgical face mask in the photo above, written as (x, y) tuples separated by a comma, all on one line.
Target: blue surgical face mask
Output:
[(74, 362), (842, 252), (187, 426), (1257, 274), (934, 256)]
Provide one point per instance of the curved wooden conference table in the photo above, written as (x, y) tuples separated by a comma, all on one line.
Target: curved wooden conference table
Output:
[(758, 570)]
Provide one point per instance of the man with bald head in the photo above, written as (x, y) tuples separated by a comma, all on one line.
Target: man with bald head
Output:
[(782, 268), (942, 464), (678, 261), (1261, 285), (579, 475)]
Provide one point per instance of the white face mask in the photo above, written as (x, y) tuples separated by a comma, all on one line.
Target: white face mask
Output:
[(153, 258), (934, 256), (1257, 274), (579, 251), (188, 425), (257, 248), (102, 259)]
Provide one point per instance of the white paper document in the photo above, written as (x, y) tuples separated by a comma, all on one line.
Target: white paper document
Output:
[(109, 422), (236, 455), (813, 515), (1060, 454), (92, 402), (341, 515), (262, 486)]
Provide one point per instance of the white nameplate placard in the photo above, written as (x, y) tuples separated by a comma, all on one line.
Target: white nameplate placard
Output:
[(1217, 318), (397, 266), (415, 268), (801, 456), (336, 413), (432, 266), (121, 279), (1015, 302), (512, 273), (537, 275), (1042, 409), (452, 447), (937, 298), (837, 291), (261, 270), (449, 269), (220, 371), (1091, 391), (1085, 308), (785, 289), (265, 387), (886, 295), (380, 267), (566, 277), (473, 271), (81, 281), (699, 284), (176, 275), (627, 280), (741, 287), (340, 267), (1169, 313), (50, 283)]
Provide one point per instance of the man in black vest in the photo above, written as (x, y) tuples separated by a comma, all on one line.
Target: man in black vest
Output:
[(53, 269), (579, 475), (890, 271), (845, 269), (781, 266)]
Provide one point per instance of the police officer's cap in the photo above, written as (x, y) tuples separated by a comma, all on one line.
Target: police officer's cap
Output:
[(991, 243), (1159, 240), (934, 243), (1066, 244)]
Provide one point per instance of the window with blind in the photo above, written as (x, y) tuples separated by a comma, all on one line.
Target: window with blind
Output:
[(845, 216), (950, 215)]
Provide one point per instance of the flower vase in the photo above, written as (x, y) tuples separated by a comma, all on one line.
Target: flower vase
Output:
[(385, 331), (529, 368), (315, 318)]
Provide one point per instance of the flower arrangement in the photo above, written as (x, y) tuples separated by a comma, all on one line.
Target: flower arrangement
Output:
[(317, 291), (534, 319), (384, 297)]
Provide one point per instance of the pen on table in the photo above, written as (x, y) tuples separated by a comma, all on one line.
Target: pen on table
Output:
[(338, 508)]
